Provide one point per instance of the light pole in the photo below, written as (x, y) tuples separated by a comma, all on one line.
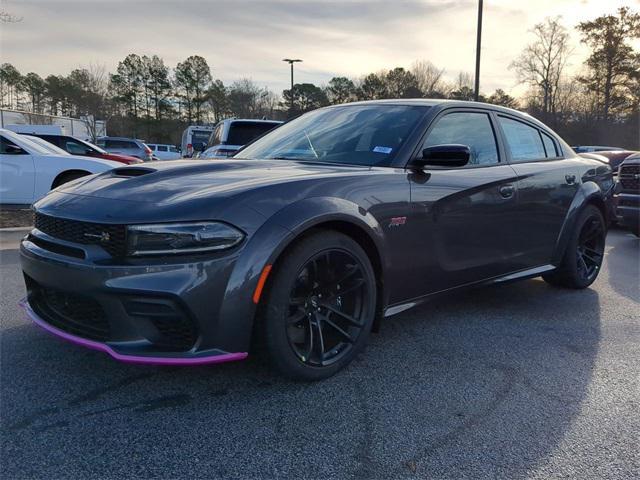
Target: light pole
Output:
[(476, 91), (291, 61)]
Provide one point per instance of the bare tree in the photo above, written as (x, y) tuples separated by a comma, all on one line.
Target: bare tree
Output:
[(542, 62), (429, 77)]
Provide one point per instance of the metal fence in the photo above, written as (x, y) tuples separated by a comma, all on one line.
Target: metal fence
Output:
[(84, 128)]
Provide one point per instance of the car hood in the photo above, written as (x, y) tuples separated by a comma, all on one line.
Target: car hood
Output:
[(178, 181)]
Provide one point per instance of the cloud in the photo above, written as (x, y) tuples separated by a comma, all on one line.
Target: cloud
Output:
[(250, 38)]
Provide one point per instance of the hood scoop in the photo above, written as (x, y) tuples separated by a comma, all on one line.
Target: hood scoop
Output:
[(132, 171)]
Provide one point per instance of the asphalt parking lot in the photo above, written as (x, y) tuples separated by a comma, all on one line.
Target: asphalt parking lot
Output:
[(518, 381)]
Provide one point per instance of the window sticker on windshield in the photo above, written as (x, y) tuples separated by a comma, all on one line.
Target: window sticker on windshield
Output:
[(382, 149)]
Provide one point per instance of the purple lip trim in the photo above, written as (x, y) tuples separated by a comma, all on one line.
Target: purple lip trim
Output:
[(226, 357)]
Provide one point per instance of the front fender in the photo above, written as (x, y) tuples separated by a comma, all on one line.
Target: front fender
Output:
[(267, 244), (589, 192)]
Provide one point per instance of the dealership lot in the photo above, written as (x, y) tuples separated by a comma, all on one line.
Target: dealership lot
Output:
[(522, 380)]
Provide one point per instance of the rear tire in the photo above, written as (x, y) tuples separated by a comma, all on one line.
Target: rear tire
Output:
[(583, 256), (67, 177), (319, 307)]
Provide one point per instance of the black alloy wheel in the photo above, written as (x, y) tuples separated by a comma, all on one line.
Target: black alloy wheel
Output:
[(318, 307), (590, 248), (327, 311), (583, 256)]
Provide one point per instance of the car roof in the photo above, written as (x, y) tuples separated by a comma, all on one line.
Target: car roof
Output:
[(121, 138), (442, 102), (252, 120), (433, 102)]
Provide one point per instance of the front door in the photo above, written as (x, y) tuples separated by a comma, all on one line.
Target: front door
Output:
[(462, 216), (17, 174)]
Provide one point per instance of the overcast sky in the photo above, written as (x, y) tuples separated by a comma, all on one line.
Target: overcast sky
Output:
[(250, 38)]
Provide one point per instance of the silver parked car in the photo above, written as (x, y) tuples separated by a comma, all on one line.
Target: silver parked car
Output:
[(126, 146)]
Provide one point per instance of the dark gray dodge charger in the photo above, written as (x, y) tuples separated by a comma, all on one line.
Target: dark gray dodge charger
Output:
[(312, 235)]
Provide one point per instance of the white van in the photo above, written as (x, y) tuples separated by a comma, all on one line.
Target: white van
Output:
[(195, 139), (164, 151)]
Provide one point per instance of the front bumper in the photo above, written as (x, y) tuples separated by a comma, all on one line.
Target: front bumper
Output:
[(628, 210), (201, 359), (156, 312)]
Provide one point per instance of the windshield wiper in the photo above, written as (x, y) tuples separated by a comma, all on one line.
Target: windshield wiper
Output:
[(310, 144)]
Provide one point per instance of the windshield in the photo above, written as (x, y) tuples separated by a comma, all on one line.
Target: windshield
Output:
[(92, 146), (241, 133), (31, 146), (200, 138), (44, 144), (354, 134)]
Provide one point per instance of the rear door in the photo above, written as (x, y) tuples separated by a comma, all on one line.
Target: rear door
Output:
[(17, 173), (547, 184), (462, 214)]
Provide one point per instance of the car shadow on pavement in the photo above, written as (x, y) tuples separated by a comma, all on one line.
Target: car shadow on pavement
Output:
[(484, 384), (625, 280)]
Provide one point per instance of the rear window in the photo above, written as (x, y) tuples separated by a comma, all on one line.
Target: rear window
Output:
[(549, 146), (524, 141), (120, 144), (200, 136), (241, 133)]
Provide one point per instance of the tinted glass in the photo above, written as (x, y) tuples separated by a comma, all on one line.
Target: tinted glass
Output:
[(241, 133), (76, 148), (523, 141), (161, 148), (549, 146), (120, 144), (173, 149), (4, 143), (200, 139), (466, 128), (356, 135)]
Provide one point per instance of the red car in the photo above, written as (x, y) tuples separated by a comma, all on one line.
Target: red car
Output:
[(75, 146)]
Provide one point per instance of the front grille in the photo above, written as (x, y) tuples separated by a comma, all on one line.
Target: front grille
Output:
[(110, 237), (629, 176), (75, 314)]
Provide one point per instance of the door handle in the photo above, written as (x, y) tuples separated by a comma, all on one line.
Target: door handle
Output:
[(506, 191), (570, 179)]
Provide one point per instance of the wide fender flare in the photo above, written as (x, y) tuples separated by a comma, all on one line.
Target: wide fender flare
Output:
[(587, 193), (267, 244)]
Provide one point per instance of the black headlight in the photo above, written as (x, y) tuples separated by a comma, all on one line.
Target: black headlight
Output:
[(167, 238)]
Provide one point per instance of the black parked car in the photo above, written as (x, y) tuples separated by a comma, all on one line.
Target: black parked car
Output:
[(313, 234), (628, 205)]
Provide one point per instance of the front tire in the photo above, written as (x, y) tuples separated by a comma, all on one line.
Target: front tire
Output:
[(583, 256), (320, 306)]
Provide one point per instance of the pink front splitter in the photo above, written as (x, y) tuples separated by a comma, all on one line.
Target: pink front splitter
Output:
[(139, 359)]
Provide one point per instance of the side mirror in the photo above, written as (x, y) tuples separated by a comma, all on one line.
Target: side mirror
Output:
[(452, 155), (13, 150)]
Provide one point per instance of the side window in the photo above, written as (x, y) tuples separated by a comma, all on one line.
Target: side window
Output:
[(7, 147), (549, 146), (173, 149), (467, 128), (76, 148), (162, 148), (523, 141)]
